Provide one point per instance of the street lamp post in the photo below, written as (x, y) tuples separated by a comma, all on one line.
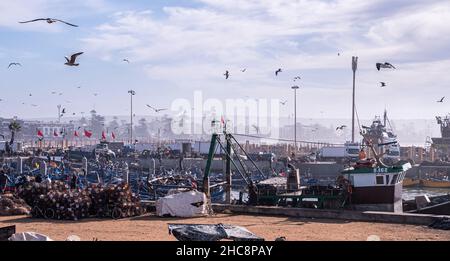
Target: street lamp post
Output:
[(59, 113), (354, 67), (132, 93), (295, 116)]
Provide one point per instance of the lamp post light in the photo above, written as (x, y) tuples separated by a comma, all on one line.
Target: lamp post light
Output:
[(132, 93), (295, 88)]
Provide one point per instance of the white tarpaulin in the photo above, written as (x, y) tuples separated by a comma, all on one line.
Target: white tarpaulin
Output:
[(29, 236), (185, 204)]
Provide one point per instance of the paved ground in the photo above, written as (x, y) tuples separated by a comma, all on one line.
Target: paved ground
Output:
[(150, 227)]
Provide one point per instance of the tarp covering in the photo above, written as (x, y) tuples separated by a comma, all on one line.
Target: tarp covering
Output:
[(193, 232), (29, 236), (185, 204), (442, 223)]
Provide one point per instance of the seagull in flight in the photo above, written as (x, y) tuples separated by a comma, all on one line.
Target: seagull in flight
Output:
[(73, 57), (256, 128), (227, 74), (155, 109), (95, 94), (297, 78), (34, 105), (243, 70), (385, 65), (49, 21), (63, 110), (283, 102), (442, 99), (126, 60), (341, 127), (278, 71), (383, 84), (15, 64)]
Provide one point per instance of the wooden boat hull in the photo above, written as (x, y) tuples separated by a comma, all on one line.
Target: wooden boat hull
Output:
[(434, 184), (409, 182)]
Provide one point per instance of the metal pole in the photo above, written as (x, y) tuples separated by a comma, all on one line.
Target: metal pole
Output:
[(354, 68), (228, 169), (131, 92), (295, 117), (131, 116), (59, 113)]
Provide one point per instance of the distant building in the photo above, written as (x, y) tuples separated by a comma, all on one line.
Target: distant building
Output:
[(442, 145)]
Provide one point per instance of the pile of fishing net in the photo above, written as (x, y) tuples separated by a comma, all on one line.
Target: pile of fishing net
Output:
[(56, 200), (11, 205)]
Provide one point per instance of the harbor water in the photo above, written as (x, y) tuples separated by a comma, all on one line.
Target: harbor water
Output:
[(412, 192)]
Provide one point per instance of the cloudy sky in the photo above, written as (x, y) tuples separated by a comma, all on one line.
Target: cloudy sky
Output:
[(177, 47)]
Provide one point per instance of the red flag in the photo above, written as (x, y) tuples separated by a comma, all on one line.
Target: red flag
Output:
[(222, 120), (113, 135), (40, 134), (87, 133), (76, 134), (103, 135), (55, 133)]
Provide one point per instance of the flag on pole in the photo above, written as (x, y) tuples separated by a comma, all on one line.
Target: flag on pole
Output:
[(76, 134), (103, 135), (40, 134), (113, 135), (55, 133), (87, 133)]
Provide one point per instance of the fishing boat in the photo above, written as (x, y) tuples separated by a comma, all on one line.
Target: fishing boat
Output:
[(435, 183), (376, 187), (409, 182)]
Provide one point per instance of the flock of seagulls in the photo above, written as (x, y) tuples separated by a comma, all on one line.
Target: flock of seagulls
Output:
[(384, 65), (72, 61), (227, 73)]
